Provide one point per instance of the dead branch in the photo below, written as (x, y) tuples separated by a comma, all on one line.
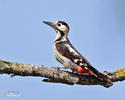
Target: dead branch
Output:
[(55, 75)]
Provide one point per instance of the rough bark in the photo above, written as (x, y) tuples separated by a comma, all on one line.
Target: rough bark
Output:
[(55, 75)]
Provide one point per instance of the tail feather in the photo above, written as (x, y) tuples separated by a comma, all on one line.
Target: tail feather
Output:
[(100, 75)]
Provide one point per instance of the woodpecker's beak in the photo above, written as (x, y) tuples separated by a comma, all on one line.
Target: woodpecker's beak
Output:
[(50, 24)]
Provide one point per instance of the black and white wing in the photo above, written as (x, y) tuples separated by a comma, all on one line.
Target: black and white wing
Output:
[(66, 49)]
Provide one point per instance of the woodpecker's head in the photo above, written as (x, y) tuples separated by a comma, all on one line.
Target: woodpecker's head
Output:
[(61, 29), (58, 26)]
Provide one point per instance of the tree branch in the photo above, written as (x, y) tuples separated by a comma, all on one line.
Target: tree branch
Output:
[(55, 75)]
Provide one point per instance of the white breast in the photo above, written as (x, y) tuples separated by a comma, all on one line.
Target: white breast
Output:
[(65, 61)]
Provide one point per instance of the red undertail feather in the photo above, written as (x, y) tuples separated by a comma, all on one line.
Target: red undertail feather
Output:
[(82, 70), (99, 75)]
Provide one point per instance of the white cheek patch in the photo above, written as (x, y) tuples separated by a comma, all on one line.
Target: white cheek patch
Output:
[(62, 28)]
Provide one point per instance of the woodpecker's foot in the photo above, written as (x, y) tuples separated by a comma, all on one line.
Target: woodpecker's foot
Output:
[(65, 67)]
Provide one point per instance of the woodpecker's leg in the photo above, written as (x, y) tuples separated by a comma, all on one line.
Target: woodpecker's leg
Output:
[(63, 67), (58, 69)]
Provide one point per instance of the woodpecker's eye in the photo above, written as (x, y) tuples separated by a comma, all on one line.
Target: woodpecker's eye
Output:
[(59, 24)]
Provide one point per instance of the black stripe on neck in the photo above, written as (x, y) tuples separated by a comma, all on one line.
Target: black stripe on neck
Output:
[(62, 34)]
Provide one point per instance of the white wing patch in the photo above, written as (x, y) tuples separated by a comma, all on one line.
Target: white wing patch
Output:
[(71, 49), (62, 28), (81, 64), (76, 60), (80, 60), (86, 68)]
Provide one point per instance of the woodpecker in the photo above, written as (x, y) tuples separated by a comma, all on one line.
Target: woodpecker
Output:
[(68, 56)]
